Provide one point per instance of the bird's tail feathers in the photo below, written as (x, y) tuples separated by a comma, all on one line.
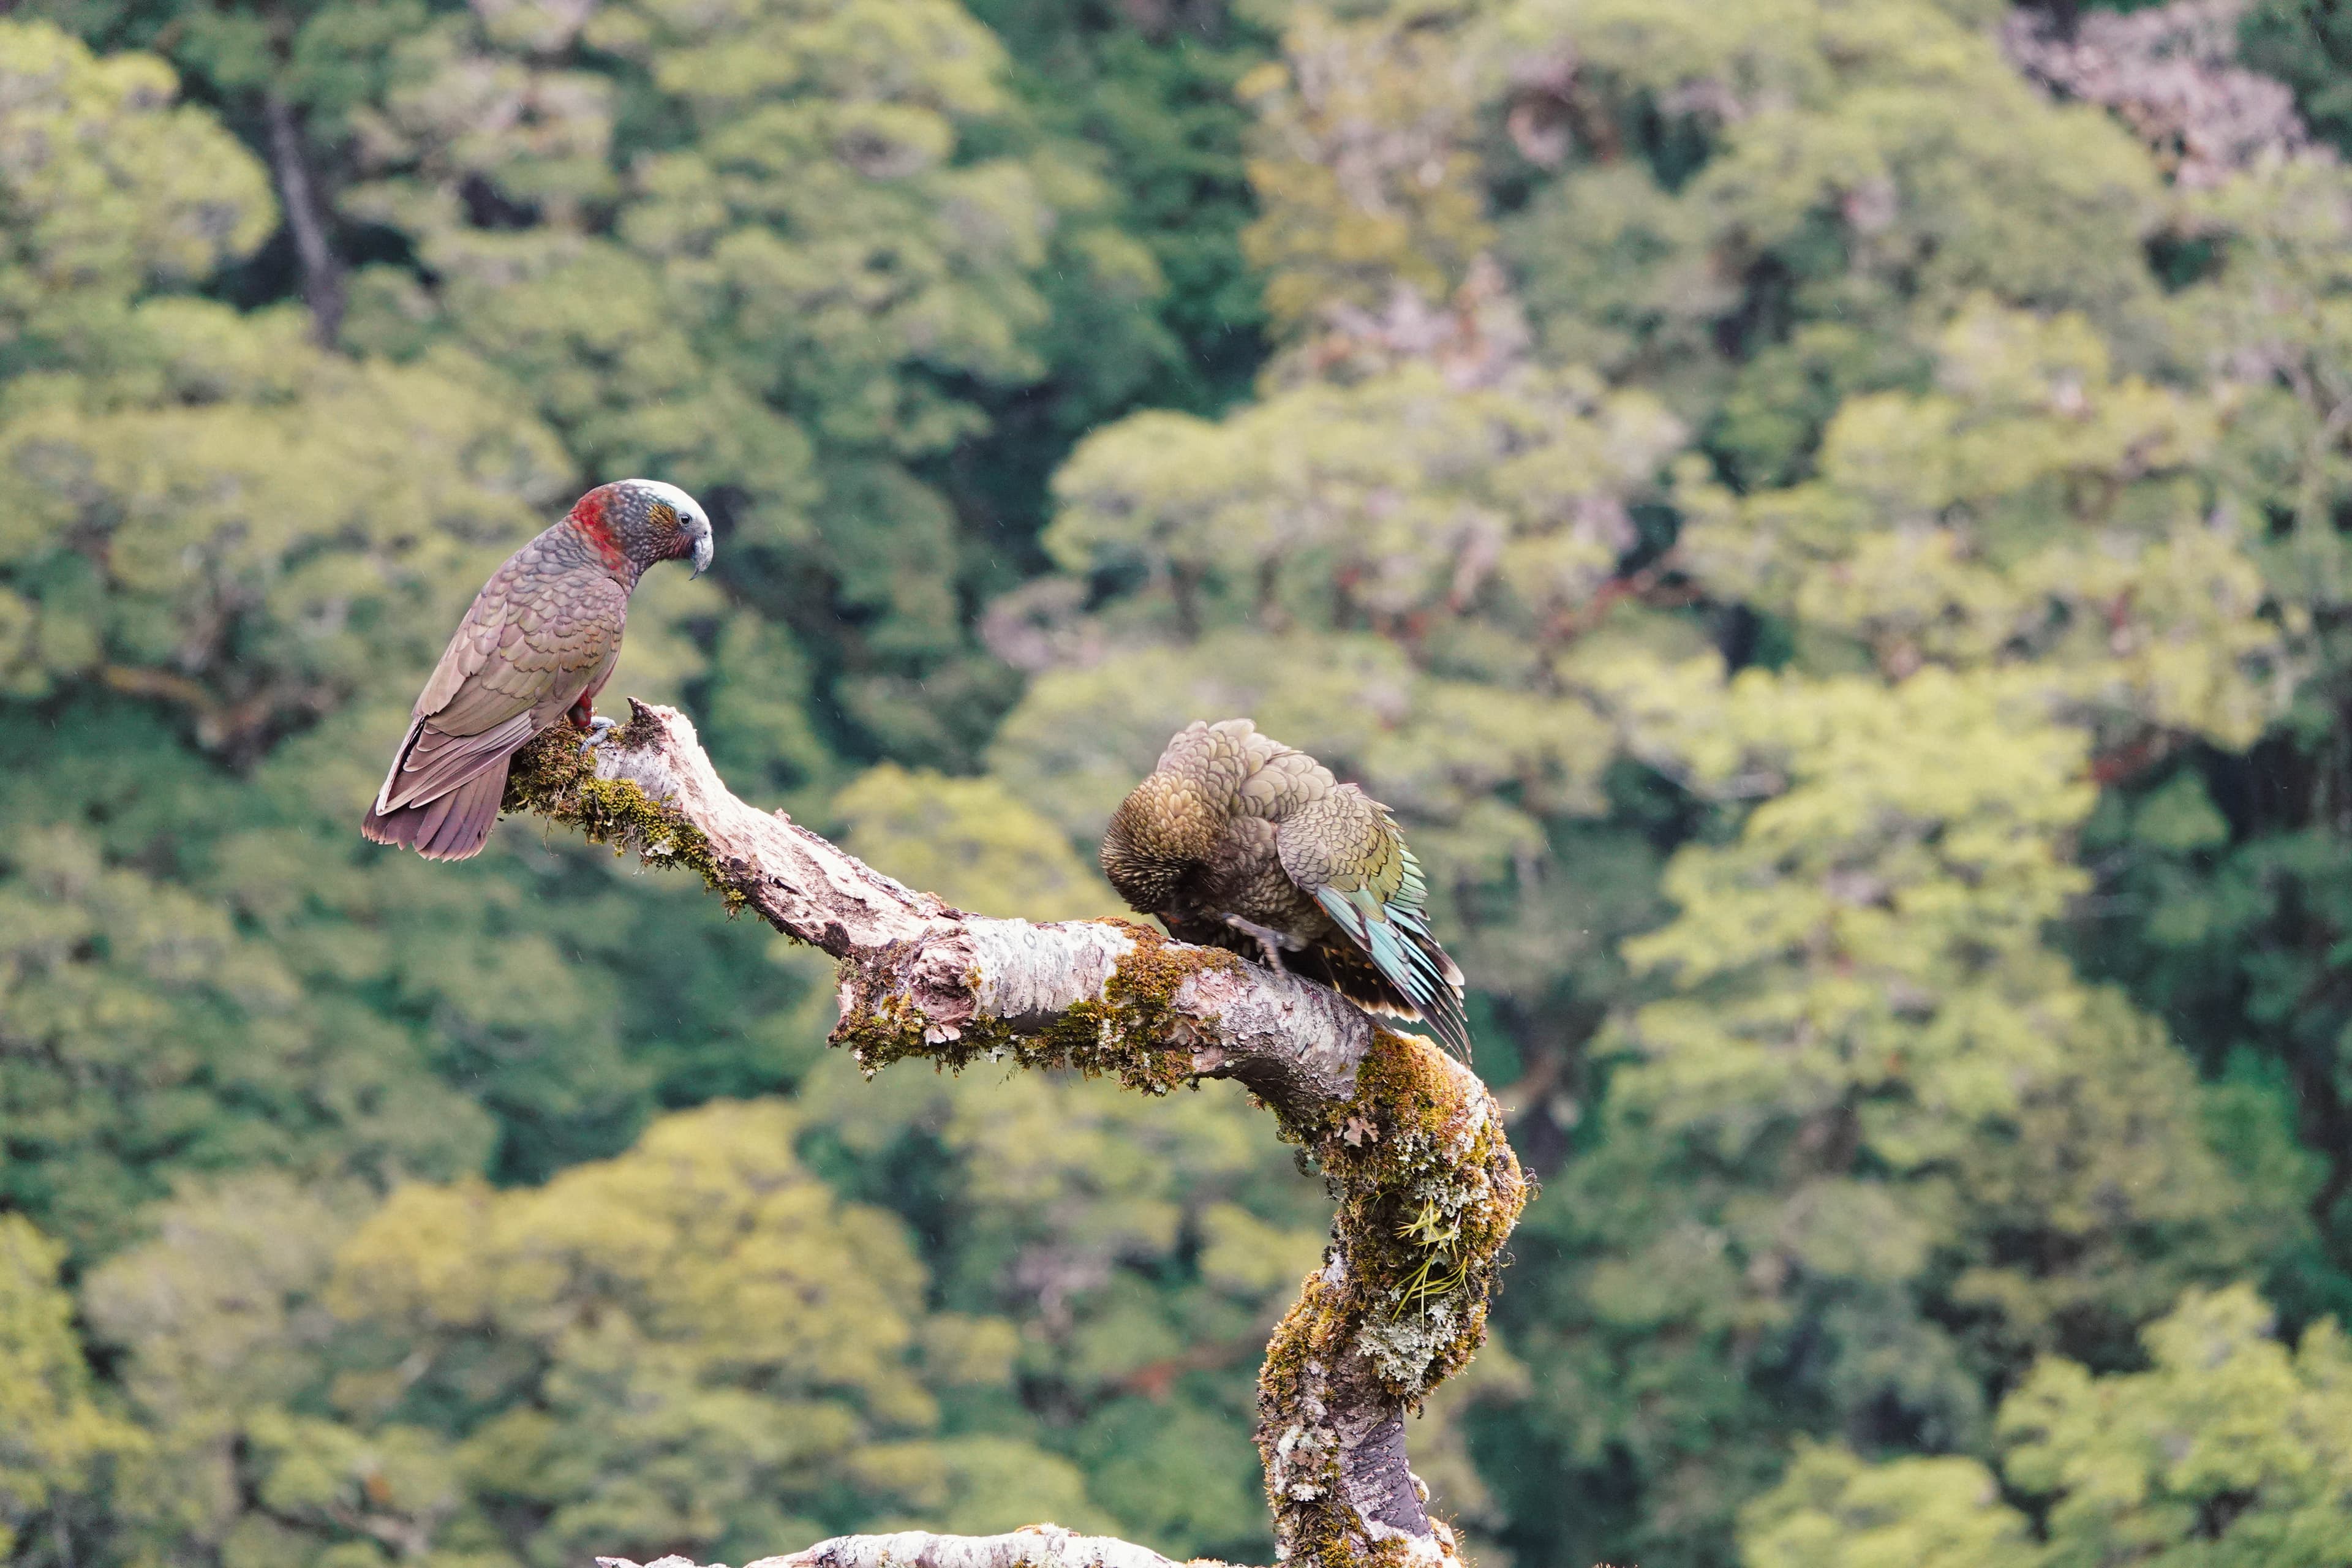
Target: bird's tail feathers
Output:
[(450, 827), (1450, 1023), (1350, 971), (1444, 1019)]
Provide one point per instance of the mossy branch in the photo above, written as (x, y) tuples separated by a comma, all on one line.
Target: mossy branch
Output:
[(1409, 1141)]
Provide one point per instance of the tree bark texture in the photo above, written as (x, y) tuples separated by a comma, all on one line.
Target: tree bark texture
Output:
[(1408, 1141), (305, 220)]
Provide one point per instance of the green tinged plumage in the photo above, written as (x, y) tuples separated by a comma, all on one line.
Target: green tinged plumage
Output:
[(1238, 840)]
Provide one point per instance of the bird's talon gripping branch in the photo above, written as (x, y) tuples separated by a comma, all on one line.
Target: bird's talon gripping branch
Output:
[(1270, 942), (598, 728)]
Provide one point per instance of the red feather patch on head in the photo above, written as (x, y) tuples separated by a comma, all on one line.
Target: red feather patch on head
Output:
[(588, 514)]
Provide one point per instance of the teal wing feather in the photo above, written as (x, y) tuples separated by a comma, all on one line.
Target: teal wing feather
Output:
[(1401, 947), (1346, 853)]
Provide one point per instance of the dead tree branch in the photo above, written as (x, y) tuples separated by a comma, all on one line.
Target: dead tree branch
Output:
[(1409, 1143)]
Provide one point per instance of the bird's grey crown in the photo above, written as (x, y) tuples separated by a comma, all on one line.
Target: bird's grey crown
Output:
[(690, 516)]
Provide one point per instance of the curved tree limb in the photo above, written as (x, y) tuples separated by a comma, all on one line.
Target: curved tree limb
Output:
[(1409, 1141)]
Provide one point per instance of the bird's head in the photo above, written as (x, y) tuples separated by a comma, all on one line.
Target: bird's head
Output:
[(1159, 835), (647, 520)]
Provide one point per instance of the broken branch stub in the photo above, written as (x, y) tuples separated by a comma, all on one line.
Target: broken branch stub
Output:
[(1409, 1141)]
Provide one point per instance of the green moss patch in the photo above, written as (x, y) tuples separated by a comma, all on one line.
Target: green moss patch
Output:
[(555, 778), (1428, 1192)]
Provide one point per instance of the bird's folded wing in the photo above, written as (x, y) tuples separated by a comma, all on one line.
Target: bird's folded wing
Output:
[(471, 645), (527, 648), (547, 641), (1345, 850), (435, 763)]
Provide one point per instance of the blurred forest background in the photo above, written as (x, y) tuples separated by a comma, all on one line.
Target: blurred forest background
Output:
[(1826, 518)]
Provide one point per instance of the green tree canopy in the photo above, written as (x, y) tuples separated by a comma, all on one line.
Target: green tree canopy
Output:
[(421, 1379), (2228, 1449)]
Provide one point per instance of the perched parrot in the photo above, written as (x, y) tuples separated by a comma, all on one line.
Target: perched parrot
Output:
[(1237, 840), (537, 646)]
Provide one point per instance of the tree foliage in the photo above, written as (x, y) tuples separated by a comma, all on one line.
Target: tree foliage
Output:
[(697, 1343), (58, 1436), (2228, 1449)]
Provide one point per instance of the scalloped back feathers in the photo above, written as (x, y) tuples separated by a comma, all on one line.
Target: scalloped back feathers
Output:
[(1240, 841)]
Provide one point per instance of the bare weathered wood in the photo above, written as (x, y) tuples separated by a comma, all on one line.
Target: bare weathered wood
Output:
[(1409, 1141)]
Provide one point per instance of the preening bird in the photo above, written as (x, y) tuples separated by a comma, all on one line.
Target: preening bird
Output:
[(1238, 841), (537, 646)]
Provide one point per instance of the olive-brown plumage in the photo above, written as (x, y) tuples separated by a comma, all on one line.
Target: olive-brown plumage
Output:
[(1237, 840), (538, 644)]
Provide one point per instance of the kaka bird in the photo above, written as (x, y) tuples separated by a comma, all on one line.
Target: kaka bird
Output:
[(537, 646), (1238, 841)]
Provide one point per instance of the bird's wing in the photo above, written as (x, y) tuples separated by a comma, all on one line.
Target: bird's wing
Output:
[(538, 630), (1342, 847), (532, 640), (432, 763)]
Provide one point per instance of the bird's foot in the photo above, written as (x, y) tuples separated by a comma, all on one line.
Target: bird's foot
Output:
[(1270, 942), (598, 728)]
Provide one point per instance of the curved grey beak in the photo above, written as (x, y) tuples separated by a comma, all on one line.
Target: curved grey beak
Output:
[(702, 551)]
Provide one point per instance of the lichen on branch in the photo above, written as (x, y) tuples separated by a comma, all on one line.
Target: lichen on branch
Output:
[(1409, 1141), (1428, 1193), (1125, 1034)]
